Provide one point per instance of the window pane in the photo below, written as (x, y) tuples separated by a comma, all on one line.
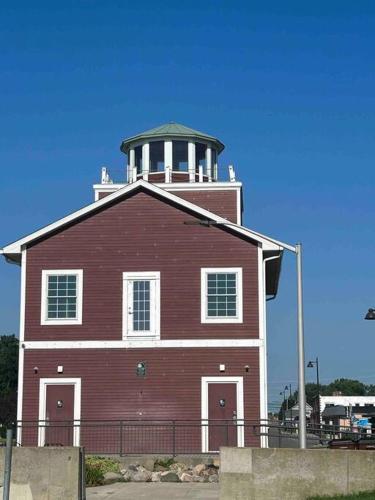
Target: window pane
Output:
[(141, 305), (138, 158), (221, 295), (200, 156), (156, 156), (62, 296), (180, 156)]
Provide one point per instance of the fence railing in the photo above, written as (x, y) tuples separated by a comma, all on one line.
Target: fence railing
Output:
[(172, 437)]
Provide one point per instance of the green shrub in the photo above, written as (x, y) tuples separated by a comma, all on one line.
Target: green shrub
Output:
[(96, 467), (167, 462)]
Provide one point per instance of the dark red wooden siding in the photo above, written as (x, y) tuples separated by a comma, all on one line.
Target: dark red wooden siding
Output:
[(220, 202), (141, 233), (223, 202), (170, 390)]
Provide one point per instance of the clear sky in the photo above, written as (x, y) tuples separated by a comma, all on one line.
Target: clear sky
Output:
[(287, 86)]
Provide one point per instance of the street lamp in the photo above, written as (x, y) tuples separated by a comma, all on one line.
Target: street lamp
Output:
[(297, 250), (370, 314), (311, 364)]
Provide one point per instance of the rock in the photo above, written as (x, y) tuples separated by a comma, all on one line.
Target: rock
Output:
[(133, 467), (213, 479), (148, 463), (216, 462), (186, 478), (169, 477), (178, 468), (211, 470), (155, 477), (127, 475), (198, 469), (112, 477), (198, 479), (142, 475)]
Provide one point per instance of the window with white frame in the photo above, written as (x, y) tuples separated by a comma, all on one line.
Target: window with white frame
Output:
[(141, 314), (221, 295), (61, 297)]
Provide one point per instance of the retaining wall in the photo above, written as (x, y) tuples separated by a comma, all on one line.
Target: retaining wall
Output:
[(44, 473), (293, 474)]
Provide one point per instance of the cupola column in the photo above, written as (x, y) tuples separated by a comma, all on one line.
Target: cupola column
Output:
[(209, 163), (168, 152), (191, 161), (145, 160), (131, 165)]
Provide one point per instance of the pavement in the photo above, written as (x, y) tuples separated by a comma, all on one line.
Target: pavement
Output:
[(154, 491)]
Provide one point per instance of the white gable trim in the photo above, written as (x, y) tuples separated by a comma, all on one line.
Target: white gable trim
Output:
[(267, 243)]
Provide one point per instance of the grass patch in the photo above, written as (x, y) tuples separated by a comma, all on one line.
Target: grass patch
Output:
[(96, 467), (366, 495)]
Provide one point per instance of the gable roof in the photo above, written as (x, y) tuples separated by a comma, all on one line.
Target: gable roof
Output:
[(171, 129), (266, 242)]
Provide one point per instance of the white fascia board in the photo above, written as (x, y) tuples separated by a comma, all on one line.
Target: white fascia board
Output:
[(267, 243), (180, 186), (141, 343)]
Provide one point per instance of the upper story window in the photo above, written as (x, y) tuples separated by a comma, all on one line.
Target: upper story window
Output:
[(141, 301), (221, 295), (200, 156), (138, 158), (61, 297), (157, 156), (180, 156)]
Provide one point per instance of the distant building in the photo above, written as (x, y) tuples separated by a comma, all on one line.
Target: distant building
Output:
[(357, 412), (292, 414)]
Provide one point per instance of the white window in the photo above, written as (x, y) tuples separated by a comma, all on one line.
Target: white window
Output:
[(221, 295), (141, 312), (61, 297)]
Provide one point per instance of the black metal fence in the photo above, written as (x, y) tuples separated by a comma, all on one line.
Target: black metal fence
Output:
[(172, 437)]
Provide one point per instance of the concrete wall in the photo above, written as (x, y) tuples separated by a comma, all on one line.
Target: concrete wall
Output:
[(43, 473), (292, 474)]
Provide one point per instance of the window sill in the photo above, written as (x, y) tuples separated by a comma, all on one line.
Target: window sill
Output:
[(221, 320), (61, 322)]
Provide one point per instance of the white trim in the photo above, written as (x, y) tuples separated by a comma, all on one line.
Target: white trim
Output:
[(43, 382), (181, 186), (267, 243), (44, 288), (191, 162), (154, 333), (21, 354), (239, 211), (239, 303), (204, 407), (168, 155), (145, 162), (140, 344), (263, 406)]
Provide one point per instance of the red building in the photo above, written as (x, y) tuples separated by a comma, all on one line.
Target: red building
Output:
[(147, 307)]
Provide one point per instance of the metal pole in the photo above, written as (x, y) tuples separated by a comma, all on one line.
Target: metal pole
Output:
[(301, 354), (318, 388), (8, 465)]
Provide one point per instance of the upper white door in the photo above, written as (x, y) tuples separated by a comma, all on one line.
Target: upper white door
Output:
[(141, 305)]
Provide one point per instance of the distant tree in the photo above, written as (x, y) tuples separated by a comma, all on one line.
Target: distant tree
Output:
[(8, 379), (347, 387)]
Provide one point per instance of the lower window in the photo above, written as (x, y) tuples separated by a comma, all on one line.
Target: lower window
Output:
[(141, 305)]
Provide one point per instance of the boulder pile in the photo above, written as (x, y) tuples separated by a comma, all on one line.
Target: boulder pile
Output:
[(169, 472)]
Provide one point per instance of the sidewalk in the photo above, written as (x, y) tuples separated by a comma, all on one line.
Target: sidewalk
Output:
[(154, 491)]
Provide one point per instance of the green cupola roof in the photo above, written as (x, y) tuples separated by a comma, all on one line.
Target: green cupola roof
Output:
[(171, 130)]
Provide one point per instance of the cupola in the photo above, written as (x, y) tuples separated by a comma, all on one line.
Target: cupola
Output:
[(172, 153)]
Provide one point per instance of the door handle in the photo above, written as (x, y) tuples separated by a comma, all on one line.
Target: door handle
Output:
[(234, 415)]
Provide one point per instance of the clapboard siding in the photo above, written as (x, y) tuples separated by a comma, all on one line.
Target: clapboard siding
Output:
[(141, 233), (220, 202), (170, 390)]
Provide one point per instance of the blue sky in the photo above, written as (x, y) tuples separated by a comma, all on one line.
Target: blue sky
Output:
[(287, 86)]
